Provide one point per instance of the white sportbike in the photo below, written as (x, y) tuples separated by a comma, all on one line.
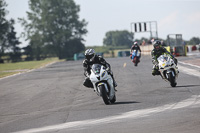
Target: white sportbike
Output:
[(168, 69), (103, 83)]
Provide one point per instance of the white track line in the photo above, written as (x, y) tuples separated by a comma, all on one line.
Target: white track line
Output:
[(193, 101), (189, 71), (188, 64)]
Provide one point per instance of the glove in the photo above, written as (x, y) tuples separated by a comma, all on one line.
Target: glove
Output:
[(154, 62), (108, 69), (87, 74)]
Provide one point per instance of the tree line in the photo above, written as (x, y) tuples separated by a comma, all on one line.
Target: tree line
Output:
[(9, 43), (125, 38), (53, 28)]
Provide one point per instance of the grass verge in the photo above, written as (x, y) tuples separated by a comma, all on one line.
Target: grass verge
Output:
[(8, 69)]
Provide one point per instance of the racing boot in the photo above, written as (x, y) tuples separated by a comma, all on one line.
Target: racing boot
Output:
[(155, 70), (114, 83)]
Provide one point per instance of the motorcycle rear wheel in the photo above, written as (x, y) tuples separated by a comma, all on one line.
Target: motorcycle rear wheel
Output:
[(136, 61)]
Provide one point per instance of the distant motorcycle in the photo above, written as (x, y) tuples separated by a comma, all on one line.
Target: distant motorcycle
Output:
[(103, 83), (135, 57), (168, 69)]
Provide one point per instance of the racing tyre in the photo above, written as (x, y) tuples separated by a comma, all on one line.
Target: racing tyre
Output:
[(113, 100), (172, 80), (104, 94)]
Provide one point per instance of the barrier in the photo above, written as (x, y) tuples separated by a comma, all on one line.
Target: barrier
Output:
[(146, 49)]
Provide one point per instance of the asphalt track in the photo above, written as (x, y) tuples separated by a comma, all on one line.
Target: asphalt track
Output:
[(53, 100)]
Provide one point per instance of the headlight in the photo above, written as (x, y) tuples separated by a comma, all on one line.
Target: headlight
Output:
[(163, 64), (103, 74)]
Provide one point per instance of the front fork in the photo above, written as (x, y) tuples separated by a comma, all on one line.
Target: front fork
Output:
[(173, 74), (105, 86), (170, 71), (111, 91)]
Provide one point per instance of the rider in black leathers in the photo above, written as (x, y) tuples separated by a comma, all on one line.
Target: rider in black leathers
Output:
[(156, 52), (90, 59), (135, 46)]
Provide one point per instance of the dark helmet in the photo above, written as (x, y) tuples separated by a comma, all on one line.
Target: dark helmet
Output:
[(157, 44), (90, 54)]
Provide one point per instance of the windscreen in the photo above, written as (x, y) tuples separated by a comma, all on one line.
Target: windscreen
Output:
[(96, 68)]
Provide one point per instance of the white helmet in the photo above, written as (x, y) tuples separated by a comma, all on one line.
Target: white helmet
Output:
[(90, 54), (135, 43)]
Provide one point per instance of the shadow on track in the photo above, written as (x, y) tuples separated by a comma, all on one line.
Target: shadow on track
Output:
[(126, 102), (188, 86)]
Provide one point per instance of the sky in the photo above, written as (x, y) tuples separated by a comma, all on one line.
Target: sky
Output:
[(172, 17)]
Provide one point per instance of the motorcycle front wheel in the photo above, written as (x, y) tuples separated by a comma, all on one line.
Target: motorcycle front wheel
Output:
[(172, 80), (104, 94)]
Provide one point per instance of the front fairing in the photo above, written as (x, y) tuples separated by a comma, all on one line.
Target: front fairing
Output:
[(98, 73), (100, 76), (165, 61), (166, 65)]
